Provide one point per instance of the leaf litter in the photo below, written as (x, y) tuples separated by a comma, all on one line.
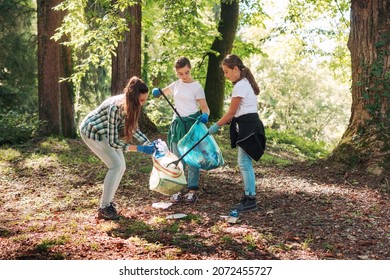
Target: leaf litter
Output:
[(307, 211)]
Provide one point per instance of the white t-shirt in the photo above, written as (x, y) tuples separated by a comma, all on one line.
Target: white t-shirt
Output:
[(248, 102), (185, 96)]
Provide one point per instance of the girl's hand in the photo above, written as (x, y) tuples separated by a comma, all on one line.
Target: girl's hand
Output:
[(156, 92), (204, 118), (146, 149), (214, 129)]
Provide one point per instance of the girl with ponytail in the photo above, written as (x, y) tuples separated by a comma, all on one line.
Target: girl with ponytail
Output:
[(100, 131), (246, 128)]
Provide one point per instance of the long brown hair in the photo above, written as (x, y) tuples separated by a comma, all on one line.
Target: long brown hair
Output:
[(131, 105), (232, 60)]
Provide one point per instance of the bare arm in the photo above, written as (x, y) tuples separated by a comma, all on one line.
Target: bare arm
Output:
[(203, 106), (234, 104), (166, 91)]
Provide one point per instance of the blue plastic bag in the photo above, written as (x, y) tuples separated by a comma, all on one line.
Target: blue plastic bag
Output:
[(206, 155)]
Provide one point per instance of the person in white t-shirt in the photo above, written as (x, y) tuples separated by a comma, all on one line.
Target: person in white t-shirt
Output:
[(246, 129), (190, 104)]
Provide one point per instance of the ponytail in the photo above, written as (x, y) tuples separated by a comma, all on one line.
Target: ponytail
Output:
[(246, 73), (134, 88)]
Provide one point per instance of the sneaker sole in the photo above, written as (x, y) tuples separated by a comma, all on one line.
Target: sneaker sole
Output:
[(101, 217)]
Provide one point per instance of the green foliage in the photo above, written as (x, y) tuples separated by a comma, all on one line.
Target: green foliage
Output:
[(294, 144), (302, 67), (289, 100), (252, 13), (322, 28), (160, 113), (18, 127), (18, 83), (94, 29), (296, 96), (375, 84), (94, 89), (298, 93), (180, 28)]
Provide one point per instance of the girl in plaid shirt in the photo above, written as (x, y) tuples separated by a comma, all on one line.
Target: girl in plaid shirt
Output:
[(100, 131)]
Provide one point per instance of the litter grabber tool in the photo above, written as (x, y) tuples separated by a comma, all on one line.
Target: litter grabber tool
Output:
[(189, 150), (207, 155), (170, 104)]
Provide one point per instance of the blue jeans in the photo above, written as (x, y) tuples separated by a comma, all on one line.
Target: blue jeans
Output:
[(247, 172), (115, 161), (193, 172)]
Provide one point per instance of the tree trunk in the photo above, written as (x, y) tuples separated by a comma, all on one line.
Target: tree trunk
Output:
[(68, 120), (215, 80), (56, 109), (127, 62), (366, 143)]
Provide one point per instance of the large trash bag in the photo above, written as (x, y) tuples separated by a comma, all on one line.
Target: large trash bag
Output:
[(207, 154), (166, 179)]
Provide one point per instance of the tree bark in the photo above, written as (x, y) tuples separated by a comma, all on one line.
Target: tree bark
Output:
[(127, 62), (215, 80), (56, 109), (68, 120), (365, 143)]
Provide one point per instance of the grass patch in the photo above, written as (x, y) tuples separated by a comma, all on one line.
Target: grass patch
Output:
[(194, 218), (270, 159), (227, 239), (280, 247), (283, 148), (251, 242), (46, 244), (297, 146), (9, 154), (172, 228), (137, 227)]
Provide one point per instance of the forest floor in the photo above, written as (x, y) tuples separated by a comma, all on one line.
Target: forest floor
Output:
[(50, 190)]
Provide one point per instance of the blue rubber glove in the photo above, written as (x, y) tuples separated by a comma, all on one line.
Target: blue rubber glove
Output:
[(146, 149), (204, 118), (156, 92), (214, 129)]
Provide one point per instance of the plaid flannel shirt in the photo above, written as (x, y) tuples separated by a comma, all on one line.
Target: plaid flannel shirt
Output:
[(107, 120)]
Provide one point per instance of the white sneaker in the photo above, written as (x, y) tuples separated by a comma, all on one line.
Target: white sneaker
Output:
[(177, 197), (191, 197)]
